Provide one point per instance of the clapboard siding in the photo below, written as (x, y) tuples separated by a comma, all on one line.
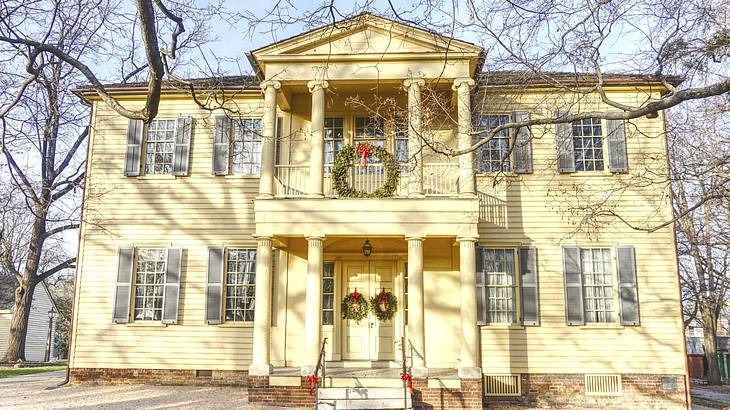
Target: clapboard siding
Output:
[(203, 210), (5, 318)]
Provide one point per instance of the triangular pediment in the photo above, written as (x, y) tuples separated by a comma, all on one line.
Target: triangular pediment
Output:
[(366, 34)]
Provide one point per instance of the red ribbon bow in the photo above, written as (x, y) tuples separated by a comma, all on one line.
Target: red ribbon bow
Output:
[(356, 295), (312, 380), (406, 377), (364, 151)]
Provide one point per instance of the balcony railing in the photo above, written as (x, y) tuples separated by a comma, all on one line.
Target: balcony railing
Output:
[(439, 179)]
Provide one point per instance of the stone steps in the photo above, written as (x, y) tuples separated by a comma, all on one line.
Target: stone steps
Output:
[(363, 398)]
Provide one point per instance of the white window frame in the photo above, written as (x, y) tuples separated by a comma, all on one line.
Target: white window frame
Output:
[(514, 287), (150, 167), (246, 136), (609, 315), (332, 294), (146, 285), (505, 162), (243, 290), (578, 152)]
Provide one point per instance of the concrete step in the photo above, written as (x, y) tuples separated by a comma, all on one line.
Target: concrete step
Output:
[(363, 398)]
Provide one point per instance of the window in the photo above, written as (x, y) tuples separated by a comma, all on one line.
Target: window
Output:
[(333, 141), (401, 142), (499, 271), (247, 146), (597, 284), (160, 147), (240, 284), (495, 153), (328, 294), (149, 284), (405, 294), (588, 144)]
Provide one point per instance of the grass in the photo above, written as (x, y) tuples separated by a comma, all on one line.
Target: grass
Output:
[(8, 372)]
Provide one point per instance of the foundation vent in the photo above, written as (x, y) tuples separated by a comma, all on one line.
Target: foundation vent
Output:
[(502, 385), (603, 384)]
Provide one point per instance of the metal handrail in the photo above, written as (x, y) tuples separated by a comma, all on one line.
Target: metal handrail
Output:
[(321, 363)]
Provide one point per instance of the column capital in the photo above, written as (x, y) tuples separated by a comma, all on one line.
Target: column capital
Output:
[(461, 81), (262, 236), (415, 238), (310, 238), (462, 239), (409, 82), (270, 83), (314, 85)]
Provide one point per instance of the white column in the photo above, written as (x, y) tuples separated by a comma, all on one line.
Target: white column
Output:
[(268, 139), (316, 138), (469, 357), (260, 359), (416, 329), (415, 179), (462, 86), (313, 305)]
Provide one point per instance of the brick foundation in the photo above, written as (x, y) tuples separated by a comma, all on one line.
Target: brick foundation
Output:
[(567, 391), (159, 376), (468, 396), (259, 391)]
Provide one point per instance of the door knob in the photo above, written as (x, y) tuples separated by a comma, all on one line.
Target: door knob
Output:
[(371, 325)]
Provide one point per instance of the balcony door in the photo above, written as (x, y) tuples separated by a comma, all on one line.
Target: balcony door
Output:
[(371, 339)]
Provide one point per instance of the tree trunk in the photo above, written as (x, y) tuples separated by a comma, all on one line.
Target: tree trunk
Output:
[(710, 342), (19, 323)]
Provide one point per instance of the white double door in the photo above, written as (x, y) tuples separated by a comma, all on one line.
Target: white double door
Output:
[(371, 339)]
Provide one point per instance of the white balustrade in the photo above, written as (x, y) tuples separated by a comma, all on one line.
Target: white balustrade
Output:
[(439, 179)]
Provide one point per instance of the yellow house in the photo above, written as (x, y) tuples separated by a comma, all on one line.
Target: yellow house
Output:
[(220, 240)]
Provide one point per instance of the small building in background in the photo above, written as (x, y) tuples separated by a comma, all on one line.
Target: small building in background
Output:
[(37, 337)]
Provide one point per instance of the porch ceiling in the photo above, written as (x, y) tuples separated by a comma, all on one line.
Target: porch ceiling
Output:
[(367, 217)]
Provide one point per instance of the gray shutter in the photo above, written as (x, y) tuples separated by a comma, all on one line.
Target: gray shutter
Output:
[(574, 314), (626, 261), (481, 287), (183, 136), (564, 143), (221, 144), (616, 139), (530, 299), (123, 289), (523, 145), (214, 286), (172, 286), (133, 155)]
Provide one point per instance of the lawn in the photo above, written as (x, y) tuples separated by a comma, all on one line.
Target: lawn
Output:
[(12, 372)]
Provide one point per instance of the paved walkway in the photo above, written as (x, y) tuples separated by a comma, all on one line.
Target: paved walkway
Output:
[(704, 398), (38, 391)]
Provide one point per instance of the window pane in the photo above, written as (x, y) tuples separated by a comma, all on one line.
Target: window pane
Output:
[(240, 284), (597, 284), (499, 271), (160, 146), (246, 146), (494, 153), (328, 293)]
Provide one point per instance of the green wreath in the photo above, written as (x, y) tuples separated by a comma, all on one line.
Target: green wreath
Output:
[(354, 307), (384, 305), (342, 165)]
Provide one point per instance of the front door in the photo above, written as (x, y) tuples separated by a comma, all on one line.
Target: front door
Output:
[(371, 339)]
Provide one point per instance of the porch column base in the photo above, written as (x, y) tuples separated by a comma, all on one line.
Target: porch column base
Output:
[(470, 372), (419, 372), (260, 369), (307, 370)]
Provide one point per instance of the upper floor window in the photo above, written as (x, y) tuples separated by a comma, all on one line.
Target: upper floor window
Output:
[(401, 142), (495, 153), (149, 285), (333, 140), (160, 147), (246, 144), (597, 284), (240, 284), (588, 144)]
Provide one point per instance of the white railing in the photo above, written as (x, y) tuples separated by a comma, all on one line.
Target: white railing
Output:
[(291, 180), (439, 179)]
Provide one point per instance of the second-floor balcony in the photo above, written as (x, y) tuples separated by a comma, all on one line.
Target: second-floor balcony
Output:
[(439, 179)]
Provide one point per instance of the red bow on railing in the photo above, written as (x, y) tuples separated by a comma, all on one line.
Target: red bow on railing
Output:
[(406, 377), (312, 380)]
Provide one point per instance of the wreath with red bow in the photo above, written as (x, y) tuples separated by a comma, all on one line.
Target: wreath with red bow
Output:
[(354, 306), (342, 169), (384, 305)]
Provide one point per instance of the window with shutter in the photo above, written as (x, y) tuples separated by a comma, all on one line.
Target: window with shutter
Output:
[(495, 153), (501, 284), (160, 147), (133, 154), (246, 155), (240, 284), (588, 144), (529, 288), (149, 283), (214, 286)]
